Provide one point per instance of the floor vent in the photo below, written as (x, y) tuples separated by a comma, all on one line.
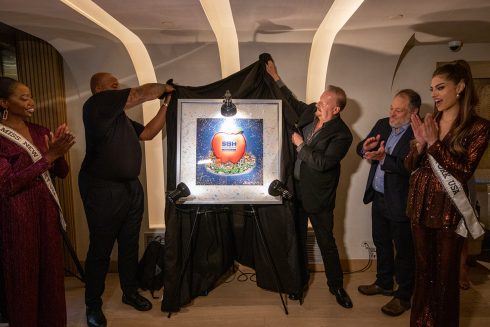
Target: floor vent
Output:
[(314, 254)]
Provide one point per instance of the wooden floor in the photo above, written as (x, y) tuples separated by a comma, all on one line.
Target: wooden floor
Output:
[(240, 304)]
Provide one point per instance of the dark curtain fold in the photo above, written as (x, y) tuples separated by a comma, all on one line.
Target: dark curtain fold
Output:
[(221, 237)]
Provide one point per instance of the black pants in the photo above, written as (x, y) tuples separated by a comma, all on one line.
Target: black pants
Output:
[(114, 212), (394, 250), (322, 223)]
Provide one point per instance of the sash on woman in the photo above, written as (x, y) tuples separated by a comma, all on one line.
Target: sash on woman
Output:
[(35, 155), (455, 191)]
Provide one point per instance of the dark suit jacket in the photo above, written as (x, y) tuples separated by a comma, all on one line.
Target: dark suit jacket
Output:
[(396, 176), (320, 166)]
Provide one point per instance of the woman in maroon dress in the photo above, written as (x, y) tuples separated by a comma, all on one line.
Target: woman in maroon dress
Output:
[(456, 138), (30, 241)]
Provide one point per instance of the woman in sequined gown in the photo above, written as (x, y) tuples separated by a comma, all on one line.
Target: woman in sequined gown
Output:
[(457, 138), (31, 251)]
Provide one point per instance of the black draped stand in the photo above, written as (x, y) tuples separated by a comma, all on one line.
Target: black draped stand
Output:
[(199, 250), (222, 237), (265, 249)]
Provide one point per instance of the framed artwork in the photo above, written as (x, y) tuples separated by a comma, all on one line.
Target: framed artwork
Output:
[(229, 160)]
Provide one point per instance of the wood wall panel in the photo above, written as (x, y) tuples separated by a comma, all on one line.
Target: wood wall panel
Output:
[(40, 67)]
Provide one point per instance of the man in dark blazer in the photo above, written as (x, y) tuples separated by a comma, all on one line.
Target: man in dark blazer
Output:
[(322, 139), (387, 188)]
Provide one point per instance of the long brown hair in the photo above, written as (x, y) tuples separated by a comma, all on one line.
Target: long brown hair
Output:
[(468, 99)]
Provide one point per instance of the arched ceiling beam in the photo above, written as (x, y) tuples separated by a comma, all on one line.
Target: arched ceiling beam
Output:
[(334, 20), (145, 73), (221, 20)]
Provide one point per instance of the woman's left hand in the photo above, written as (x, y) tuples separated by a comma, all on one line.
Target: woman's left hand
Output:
[(430, 130)]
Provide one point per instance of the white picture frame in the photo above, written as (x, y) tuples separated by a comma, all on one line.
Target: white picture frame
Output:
[(212, 159)]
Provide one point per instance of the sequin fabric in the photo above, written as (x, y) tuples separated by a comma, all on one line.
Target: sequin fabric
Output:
[(428, 203), (434, 218), (31, 250)]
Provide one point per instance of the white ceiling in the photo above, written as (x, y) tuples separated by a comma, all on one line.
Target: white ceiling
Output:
[(379, 25)]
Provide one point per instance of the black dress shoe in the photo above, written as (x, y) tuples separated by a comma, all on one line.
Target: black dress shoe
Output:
[(294, 296), (96, 318), (342, 297), (137, 301)]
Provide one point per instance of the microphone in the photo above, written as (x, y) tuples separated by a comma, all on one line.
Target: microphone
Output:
[(276, 188)]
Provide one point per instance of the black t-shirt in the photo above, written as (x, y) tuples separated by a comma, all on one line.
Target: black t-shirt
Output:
[(113, 151)]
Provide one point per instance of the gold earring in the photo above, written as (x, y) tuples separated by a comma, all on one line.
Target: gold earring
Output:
[(5, 114)]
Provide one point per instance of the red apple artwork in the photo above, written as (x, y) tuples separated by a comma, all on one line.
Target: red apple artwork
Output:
[(229, 146)]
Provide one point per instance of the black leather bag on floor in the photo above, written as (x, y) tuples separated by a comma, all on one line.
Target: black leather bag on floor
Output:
[(150, 267)]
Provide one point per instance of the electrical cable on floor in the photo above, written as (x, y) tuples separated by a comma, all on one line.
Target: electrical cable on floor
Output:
[(241, 276), (371, 255)]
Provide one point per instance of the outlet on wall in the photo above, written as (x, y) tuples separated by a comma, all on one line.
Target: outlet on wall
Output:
[(368, 245)]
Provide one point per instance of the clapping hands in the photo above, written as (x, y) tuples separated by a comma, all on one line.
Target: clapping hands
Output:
[(58, 143), (372, 143), (426, 132)]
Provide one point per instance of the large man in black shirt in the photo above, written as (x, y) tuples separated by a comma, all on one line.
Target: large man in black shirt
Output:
[(323, 142), (111, 192)]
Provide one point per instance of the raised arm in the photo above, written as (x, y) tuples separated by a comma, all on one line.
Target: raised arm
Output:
[(271, 69), (156, 124), (146, 92), (417, 146), (287, 95)]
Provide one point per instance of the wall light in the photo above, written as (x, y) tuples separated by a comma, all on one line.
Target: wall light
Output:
[(228, 109), (277, 188), (180, 192)]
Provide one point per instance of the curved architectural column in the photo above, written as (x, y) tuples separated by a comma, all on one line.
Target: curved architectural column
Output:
[(155, 183), (221, 20), (334, 20)]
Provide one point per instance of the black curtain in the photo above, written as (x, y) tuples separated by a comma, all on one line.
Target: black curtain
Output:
[(223, 234)]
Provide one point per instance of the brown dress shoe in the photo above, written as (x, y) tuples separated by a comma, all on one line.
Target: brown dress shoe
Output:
[(395, 307), (374, 289)]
